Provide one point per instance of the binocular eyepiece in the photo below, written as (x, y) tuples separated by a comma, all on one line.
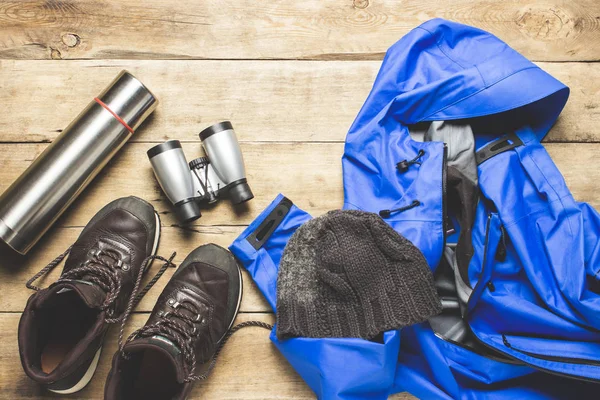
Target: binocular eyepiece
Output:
[(203, 180)]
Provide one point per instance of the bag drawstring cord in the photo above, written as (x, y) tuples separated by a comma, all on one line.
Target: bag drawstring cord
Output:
[(403, 165), (388, 213)]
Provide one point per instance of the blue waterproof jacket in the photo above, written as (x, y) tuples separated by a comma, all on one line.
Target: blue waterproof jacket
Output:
[(515, 257)]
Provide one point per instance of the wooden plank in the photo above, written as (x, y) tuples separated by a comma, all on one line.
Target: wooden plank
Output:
[(308, 173), (266, 100), (312, 29), (303, 172), (15, 270), (234, 377)]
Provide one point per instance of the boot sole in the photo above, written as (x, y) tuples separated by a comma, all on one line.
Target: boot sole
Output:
[(87, 377)]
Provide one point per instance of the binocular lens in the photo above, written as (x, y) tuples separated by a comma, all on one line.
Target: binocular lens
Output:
[(240, 193), (187, 211)]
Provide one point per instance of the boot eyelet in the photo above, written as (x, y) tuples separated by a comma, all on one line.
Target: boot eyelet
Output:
[(125, 267)]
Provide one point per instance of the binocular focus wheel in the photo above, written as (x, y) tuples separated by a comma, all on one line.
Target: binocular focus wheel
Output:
[(199, 162)]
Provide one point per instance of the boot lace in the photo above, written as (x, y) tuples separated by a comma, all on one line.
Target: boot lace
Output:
[(102, 270), (180, 327)]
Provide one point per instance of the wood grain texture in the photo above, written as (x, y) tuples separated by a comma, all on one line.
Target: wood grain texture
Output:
[(308, 173), (554, 30), (302, 171), (266, 100), (249, 367)]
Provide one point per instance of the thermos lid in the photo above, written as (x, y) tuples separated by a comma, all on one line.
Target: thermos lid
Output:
[(129, 99)]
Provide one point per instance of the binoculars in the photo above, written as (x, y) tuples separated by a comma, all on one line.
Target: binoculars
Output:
[(206, 179)]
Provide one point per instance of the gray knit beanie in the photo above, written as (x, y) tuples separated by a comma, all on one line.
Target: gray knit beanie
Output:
[(349, 274)]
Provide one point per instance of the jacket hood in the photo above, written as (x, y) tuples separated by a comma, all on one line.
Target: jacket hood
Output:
[(443, 70)]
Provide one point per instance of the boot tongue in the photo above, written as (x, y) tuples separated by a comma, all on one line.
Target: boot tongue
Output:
[(92, 295), (165, 346)]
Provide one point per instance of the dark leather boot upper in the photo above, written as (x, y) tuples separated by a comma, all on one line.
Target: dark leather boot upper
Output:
[(191, 316), (120, 236), (63, 326)]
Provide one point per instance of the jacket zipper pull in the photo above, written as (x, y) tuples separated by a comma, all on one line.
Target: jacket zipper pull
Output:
[(501, 251)]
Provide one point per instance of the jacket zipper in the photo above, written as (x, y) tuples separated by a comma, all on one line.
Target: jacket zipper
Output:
[(488, 225), (548, 371), (491, 356), (509, 360), (444, 194), (568, 360), (444, 217)]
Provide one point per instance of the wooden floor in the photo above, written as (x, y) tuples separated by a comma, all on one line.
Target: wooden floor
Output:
[(291, 75)]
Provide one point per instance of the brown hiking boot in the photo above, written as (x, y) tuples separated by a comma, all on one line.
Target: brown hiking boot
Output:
[(62, 327), (184, 333)]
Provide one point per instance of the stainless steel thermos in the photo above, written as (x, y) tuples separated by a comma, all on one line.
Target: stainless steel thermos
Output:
[(44, 191)]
